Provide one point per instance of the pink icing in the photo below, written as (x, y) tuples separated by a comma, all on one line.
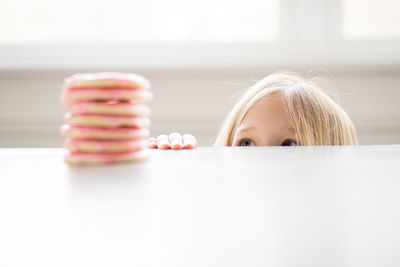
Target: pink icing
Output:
[(102, 133), (77, 145), (117, 94), (110, 120), (105, 158), (85, 106), (130, 89)]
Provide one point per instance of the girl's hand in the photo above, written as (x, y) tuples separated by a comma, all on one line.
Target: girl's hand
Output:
[(173, 141)]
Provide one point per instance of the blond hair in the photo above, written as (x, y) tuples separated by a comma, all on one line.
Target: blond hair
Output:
[(315, 117)]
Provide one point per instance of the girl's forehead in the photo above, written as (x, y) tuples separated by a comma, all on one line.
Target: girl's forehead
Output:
[(268, 108), (266, 115)]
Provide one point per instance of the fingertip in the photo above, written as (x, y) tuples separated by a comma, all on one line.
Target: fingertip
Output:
[(162, 142), (173, 136), (176, 144), (162, 137), (151, 142), (176, 147), (175, 140), (189, 136), (164, 146), (189, 141)]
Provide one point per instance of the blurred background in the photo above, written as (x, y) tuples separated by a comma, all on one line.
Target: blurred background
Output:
[(198, 56)]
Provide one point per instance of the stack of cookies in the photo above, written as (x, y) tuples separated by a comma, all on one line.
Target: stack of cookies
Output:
[(106, 118)]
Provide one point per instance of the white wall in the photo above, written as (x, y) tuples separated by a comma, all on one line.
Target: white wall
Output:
[(195, 101)]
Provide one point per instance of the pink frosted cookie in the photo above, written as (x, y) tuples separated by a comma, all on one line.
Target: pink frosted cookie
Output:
[(105, 158), (106, 79), (137, 96), (83, 132), (109, 107), (107, 121), (104, 146)]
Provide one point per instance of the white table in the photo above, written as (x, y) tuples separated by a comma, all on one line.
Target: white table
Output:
[(270, 206)]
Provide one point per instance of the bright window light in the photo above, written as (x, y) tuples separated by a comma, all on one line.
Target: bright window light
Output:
[(371, 19), (132, 21)]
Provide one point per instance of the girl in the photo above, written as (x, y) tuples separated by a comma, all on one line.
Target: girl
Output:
[(282, 109)]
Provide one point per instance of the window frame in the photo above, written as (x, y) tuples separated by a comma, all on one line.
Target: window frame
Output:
[(304, 40)]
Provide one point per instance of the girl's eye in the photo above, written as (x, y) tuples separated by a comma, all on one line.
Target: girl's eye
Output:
[(246, 142), (289, 143)]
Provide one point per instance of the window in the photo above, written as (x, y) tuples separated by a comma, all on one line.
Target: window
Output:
[(193, 33), (138, 22), (371, 19)]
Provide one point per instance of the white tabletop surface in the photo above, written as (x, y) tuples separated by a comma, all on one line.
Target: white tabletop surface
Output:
[(269, 206)]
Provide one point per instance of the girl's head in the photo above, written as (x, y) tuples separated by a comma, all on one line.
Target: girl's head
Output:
[(285, 109)]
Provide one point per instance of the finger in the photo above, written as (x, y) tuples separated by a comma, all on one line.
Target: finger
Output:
[(189, 141), (162, 142), (151, 142), (175, 140)]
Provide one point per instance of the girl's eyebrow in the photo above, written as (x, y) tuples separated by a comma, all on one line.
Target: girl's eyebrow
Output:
[(245, 129)]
